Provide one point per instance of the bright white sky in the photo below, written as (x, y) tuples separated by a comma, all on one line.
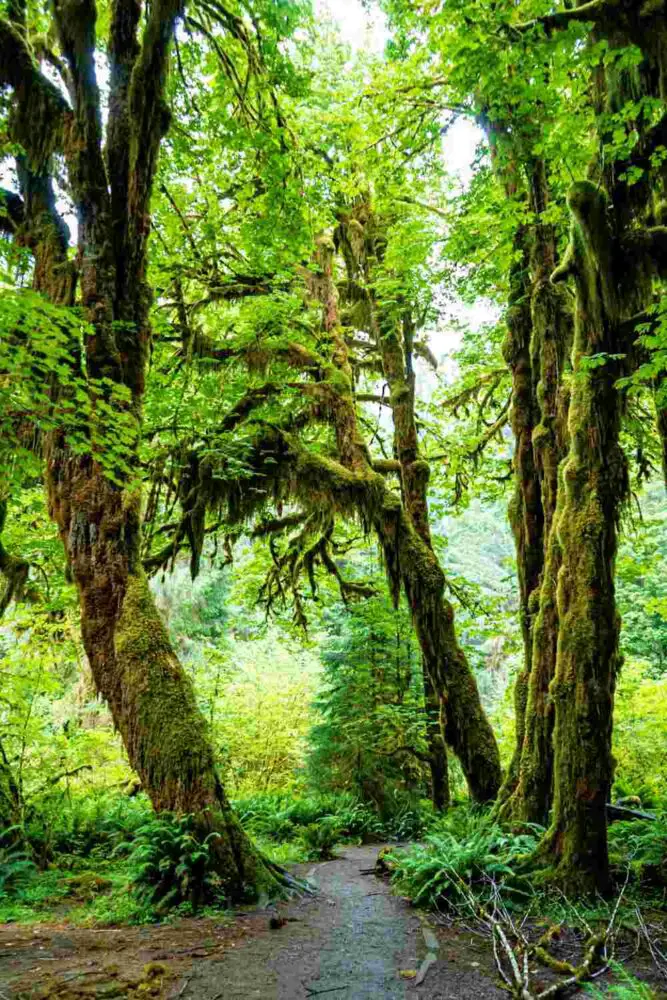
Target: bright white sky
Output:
[(359, 27)]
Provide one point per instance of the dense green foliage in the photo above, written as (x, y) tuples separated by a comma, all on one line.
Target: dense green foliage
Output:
[(382, 426)]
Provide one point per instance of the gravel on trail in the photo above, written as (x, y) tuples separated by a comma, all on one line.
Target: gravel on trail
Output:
[(353, 940)]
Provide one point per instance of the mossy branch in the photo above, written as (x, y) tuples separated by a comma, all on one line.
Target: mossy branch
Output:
[(12, 211), (42, 112), (588, 13)]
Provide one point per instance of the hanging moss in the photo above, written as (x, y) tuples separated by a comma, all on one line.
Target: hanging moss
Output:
[(402, 526)]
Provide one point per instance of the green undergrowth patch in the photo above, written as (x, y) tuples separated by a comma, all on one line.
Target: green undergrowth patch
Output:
[(464, 855), (108, 859), (67, 891), (626, 987), (281, 818), (639, 848), (467, 855)]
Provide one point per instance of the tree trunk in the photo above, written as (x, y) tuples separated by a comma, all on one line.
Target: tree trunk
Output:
[(437, 751), (397, 364), (525, 509), (136, 670), (98, 517), (11, 811), (613, 263), (552, 333), (594, 484), (538, 550), (404, 534)]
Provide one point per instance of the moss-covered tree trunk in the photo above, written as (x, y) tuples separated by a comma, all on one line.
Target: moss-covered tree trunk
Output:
[(436, 748), (525, 508), (552, 337), (613, 259), (403, 531), (10, 795), (99, 516), (542, 403), (594, 484), (395, 345)]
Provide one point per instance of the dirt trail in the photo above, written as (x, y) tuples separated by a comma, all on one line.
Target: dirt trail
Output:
[(349, 942)]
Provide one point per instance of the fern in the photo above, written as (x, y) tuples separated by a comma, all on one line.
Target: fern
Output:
[(16, 866), (627, 988), (172, 864), (321, 838), (450, 865)]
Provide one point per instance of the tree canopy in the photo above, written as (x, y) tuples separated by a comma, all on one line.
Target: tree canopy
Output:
[(251, 314)]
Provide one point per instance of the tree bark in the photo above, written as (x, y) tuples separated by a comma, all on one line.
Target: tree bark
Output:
[(525, 509), (10, 795), (594, 484), (437, 750), (538, 548), (99, 518), (613, 274), (404, 534)]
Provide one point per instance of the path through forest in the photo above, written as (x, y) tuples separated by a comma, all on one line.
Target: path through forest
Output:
[(351, 941)]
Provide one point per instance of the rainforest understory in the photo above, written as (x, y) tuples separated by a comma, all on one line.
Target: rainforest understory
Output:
[(333, 458)]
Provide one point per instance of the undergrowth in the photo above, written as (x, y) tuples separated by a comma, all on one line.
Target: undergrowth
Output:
[(465, 852), (627, 987), (107, 859)]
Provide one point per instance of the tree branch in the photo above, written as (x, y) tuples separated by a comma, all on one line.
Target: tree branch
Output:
[(12, 211), (590, 13), (42, 111)]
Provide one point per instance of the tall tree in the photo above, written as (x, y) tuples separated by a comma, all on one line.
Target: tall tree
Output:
[(109, 176)]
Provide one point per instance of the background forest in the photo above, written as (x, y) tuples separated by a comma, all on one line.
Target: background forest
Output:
[(333, 451)]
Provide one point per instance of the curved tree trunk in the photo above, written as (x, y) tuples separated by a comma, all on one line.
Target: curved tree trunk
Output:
[(136, 670), (98, 516), (403, 532), (395, 347)]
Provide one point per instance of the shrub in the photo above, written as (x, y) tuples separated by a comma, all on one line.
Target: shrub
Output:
[(641, 844), (359, 821), (452, 864), (320, 838), (407, 818), (16, 866), (85, 825), (172, 863)]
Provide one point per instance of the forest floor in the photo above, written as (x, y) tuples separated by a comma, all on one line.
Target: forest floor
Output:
[(353, 940)]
